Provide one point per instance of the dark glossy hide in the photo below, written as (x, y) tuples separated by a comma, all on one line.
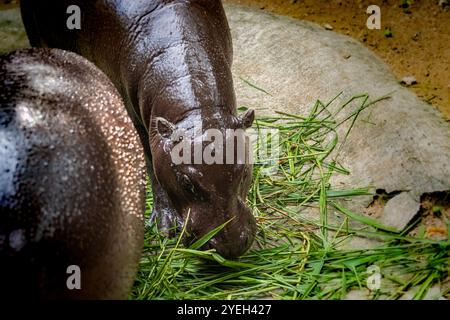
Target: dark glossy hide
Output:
[(72, 179), (170, 61)]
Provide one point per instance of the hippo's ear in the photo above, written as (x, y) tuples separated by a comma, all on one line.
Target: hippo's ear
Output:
[(164, 127), (246, 119)]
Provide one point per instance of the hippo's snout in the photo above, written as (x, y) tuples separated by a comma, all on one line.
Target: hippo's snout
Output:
[(232, 248), (235, 238)]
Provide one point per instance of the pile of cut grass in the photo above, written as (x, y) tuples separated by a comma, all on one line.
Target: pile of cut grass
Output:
[(296, 257)]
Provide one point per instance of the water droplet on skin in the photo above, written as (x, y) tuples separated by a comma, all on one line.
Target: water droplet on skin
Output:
[(17, 239)]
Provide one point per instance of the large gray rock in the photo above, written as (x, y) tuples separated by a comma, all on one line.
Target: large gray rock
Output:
[(400, 144)]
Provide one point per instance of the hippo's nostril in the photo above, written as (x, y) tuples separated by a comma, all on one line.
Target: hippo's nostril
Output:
[(212, 243)]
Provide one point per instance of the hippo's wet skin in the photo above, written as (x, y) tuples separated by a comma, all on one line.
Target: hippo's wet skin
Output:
[(72, 179), (171, 62)]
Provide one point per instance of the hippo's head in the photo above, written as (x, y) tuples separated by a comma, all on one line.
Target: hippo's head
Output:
[(205, 169)]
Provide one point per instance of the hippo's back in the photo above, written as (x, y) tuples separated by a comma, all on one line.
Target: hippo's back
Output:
[(71, 179)]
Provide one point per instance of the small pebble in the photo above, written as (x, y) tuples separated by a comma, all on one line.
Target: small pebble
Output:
[(444, 3), (328, 26), (408, 80)]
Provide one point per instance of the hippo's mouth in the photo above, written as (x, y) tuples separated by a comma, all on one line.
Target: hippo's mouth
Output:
[(230, 242)]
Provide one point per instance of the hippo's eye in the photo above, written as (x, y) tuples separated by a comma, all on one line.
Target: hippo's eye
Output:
[(186, 183)]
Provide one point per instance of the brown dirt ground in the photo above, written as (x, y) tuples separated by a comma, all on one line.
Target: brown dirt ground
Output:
[(419, 46), (8, 4)]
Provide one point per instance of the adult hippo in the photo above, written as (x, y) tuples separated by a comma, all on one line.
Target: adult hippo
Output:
[(72, 180), (171, 62)]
